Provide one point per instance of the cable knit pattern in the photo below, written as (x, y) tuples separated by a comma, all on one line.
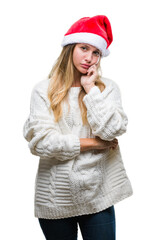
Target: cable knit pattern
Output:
[(43, 134), (106, 118), (69, 182)]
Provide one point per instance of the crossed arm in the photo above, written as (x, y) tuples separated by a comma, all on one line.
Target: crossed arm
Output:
[(107, 121)]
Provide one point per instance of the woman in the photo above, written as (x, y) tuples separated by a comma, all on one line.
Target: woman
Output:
[(75, 117)]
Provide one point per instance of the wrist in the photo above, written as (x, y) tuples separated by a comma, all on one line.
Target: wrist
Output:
[(87, 88), (87, 144)]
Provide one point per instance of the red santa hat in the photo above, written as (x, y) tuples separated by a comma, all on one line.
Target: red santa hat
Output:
[(95, 31)]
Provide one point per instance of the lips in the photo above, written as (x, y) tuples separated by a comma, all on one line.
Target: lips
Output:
[(86, 66)]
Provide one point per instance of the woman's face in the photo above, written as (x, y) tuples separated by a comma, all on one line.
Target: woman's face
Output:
[(84, 56)]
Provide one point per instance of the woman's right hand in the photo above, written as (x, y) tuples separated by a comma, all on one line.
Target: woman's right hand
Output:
[(103, 144), (97, 144)]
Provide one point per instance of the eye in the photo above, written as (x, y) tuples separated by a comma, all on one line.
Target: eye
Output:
[(97, 53), (83, 48)]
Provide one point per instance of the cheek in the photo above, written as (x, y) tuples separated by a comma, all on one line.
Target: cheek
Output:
[(76, 57)]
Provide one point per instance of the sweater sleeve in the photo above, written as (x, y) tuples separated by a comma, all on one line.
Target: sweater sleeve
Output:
[(43, 134), (105, 114)]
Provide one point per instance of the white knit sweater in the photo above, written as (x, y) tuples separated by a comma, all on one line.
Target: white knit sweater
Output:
[(69, 182)]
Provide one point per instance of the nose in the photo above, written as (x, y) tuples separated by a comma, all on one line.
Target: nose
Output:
[(88, 57)]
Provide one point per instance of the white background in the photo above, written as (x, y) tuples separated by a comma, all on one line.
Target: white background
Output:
[(31, 34)]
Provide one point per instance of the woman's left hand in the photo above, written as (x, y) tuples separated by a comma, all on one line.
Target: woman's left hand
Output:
[(88, 81)]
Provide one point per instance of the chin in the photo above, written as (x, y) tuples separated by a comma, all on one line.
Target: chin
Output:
[(83, 71)]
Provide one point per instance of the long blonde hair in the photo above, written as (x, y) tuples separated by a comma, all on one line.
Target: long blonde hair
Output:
[(61, 79)]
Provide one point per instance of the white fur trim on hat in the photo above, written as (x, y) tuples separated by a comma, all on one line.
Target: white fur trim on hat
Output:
[(89, 38)]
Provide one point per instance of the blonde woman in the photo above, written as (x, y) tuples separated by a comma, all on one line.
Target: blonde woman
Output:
[(75, 118)]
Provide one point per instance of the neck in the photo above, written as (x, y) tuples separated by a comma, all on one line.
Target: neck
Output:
[(77, 77)]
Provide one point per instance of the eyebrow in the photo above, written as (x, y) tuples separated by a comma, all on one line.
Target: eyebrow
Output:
[(86, 45)]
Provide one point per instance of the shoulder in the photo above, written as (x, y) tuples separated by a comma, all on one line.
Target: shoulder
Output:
[(109, 82), (112, 88), (41, 86), (39, 96), (39, 92)]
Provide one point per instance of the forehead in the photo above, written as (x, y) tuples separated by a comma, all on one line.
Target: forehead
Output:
[(91, 47)]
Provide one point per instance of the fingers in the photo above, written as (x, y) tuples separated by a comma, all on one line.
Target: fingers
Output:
[(115, 141), (115, 144), (112, 144), (103, 144), (92, 70), (113, 148)]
